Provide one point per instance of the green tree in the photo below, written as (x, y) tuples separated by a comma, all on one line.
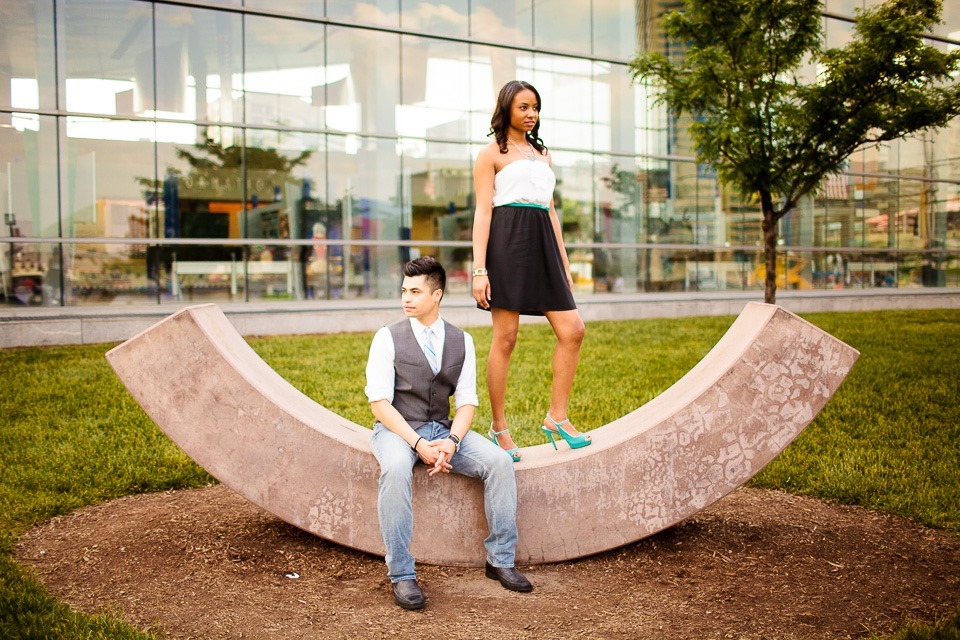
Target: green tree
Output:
[(774, 137)]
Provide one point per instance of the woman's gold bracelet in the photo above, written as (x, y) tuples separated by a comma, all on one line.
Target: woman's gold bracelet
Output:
[(479, 272)]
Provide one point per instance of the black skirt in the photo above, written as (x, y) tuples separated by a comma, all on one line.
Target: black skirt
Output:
[(523, 260)]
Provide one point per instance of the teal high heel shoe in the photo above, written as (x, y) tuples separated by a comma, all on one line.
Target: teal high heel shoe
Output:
[(575, 442), (514, 453)]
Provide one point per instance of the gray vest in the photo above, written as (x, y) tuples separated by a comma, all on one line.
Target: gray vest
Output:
[(418, 395)]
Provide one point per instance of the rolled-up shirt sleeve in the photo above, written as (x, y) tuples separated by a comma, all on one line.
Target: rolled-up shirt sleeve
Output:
[(466, 390), (380, 374)]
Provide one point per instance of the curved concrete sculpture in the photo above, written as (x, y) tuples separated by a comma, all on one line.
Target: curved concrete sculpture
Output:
[(705, 436)]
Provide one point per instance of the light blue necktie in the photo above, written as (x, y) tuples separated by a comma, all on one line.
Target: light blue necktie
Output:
[(430, 350)]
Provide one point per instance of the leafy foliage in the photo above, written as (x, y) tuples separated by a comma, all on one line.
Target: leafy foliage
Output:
[(766, 131)]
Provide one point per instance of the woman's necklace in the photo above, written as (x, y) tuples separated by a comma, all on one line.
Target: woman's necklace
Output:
[(532, 157)]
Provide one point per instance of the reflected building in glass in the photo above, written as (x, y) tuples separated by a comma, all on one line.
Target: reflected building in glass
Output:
[(252, 150)]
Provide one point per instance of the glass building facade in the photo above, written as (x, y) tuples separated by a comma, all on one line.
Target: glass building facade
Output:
[(253, 150)]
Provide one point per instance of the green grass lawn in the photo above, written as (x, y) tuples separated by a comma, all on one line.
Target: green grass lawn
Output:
[(70, 434)]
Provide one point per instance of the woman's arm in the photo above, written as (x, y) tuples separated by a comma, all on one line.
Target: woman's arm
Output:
[(483, 172)]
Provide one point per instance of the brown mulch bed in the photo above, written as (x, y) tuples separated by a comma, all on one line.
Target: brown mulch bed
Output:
[(758, 564)]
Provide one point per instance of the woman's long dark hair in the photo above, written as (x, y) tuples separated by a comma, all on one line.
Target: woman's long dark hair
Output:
[(501, 116)]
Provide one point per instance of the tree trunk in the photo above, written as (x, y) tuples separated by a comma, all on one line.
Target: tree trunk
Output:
[(769, 248)]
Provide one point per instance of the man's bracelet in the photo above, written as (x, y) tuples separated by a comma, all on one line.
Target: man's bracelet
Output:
[(456, 440), (479, 272), (417, 442)]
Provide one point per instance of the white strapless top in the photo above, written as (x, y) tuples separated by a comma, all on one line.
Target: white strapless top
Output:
[(526, 182)]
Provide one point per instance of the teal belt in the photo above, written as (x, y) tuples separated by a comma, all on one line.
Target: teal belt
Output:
[(526, 204)]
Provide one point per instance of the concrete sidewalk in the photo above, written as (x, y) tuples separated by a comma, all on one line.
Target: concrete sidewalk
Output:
[(34, 326)]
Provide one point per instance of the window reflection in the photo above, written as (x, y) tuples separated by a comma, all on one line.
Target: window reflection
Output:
[(380, 13), (615, 29), (364, 99), (442, 18), (29, 273), (107, 57), (287, 201), (614, 106), (562, 25), (287, 79), (438, 205), (27, 79), (108, 192), (437, 89), (286, 129), (199, 63), (363, 182), (567, 89), (573, 200), (502, 21), (619, 220), (490, 69)]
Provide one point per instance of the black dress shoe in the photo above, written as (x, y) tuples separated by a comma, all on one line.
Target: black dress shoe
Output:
[(408, 594), (510, 578)]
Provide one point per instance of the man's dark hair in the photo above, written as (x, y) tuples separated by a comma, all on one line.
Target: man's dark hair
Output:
[(430, 267)]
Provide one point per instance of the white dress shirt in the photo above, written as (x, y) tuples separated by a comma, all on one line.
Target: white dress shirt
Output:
[(381, 375)]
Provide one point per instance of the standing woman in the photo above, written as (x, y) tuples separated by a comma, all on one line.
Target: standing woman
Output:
[(520, 262)]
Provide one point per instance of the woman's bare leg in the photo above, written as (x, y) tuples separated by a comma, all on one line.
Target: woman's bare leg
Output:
[(505, 326), (569, 329)]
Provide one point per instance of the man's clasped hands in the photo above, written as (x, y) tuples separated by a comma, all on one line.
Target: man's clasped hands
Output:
[(436, 454)]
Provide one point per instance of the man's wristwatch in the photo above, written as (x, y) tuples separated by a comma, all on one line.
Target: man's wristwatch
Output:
[(456, 441)]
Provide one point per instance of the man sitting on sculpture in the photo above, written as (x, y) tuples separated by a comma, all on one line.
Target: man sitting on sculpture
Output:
[(415, 366)]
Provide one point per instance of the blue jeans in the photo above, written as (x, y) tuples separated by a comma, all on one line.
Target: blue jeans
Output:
[(477, 458)]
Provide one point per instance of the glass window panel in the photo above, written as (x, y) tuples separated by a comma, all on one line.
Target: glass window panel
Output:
[(364, 193), (106, 56), (574, 196), (490, 69), (618, 220), (743, 219), (438, 204), (29, 274), (286, 77), (877, 204), (566, 88), (443, 18), (199, 193), (614, 107), (294, 7), (502, 21), (27, 78), (912, 217), (366, 98), (946, 152), (684, 204), (837, 33), (122, 274), (380, 13), (951, 22), (652, 122), (28, 176), (845, 7), (615, 29), (562, 25), (229, 3), (437, 89), (949, 200), (109, 190), (913, 156), (286, 193), (199, 62), (107, 173)]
